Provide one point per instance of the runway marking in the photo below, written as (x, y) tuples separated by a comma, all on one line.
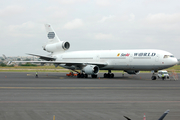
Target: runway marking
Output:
[(93, 88), (89, 102)]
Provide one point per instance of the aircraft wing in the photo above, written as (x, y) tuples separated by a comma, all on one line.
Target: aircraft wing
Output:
[(127, 118), (164, 115), (68, 63), (48, 58)]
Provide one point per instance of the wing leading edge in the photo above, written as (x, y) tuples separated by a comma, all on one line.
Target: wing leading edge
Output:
[(52, 60), (68, 63)]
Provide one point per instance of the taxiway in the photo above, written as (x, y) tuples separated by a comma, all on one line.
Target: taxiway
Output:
[(24, 97)]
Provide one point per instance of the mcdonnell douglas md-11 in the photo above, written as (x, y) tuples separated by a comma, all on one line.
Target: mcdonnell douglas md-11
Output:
[(90, 62)]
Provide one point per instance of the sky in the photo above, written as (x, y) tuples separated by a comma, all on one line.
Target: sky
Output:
[(90, 25)]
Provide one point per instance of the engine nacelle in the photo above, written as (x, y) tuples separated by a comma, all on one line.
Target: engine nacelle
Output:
[(132, 72), (55, 47), (91, 69)]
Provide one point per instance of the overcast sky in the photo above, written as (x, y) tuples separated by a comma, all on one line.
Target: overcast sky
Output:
[(90, 24)]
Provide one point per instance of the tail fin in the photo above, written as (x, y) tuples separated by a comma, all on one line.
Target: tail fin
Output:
[(54, 44), (52, 36), (4, 56)]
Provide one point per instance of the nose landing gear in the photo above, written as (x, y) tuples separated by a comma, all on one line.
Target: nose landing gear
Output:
[(154, 75)]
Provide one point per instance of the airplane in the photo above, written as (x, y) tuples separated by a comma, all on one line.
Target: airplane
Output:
[(161, 118), (90, 62), (6, 59)]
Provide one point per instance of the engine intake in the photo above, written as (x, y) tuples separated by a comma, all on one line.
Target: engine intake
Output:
[(91, 69), (66, 45)]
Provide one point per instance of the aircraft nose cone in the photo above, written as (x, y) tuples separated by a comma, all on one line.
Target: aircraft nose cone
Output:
[(176, 61)]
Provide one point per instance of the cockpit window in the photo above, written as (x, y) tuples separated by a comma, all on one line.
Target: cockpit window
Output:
[(167, 56)]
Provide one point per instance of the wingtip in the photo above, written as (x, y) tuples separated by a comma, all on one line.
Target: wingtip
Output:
[(167, 111)]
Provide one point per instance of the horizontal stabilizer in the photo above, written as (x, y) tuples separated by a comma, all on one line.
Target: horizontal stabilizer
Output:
[(48, 58)]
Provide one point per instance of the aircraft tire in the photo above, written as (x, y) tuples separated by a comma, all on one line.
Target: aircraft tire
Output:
[(85, 75), (82, 75), (79, 75), (153, 78), (109, 75), (105, 75), (94, 76), (112, 75)]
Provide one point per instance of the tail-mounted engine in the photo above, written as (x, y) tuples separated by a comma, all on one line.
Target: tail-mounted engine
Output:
[(56, 47), (91, 69)]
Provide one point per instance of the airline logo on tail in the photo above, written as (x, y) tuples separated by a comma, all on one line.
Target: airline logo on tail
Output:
[(51, 35)]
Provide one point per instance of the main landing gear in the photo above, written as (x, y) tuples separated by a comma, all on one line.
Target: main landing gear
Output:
[(82, 75), (154, 75), (109, 74)]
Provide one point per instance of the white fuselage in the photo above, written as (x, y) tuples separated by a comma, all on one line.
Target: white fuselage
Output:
[(141, 59)]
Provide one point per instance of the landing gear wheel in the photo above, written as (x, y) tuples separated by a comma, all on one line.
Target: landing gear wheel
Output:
[(78, 75), (105, 75), (82, 75), (85, 75), (94, 76), (153, 78), (109, 75)]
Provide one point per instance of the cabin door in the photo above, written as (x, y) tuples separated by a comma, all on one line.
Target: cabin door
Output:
[(157, 58)]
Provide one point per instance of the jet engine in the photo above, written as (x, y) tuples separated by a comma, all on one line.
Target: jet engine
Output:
[(56, 47), (132, 72), (91, 69)]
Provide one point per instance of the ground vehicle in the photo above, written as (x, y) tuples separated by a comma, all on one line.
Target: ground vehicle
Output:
[(161, 72), (71, 74)]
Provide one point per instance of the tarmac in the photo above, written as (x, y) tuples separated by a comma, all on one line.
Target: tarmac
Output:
[(24, 97)]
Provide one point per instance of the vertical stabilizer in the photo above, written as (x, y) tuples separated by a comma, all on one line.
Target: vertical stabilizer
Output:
[(51, 35), (4, 56), (54, 44)]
